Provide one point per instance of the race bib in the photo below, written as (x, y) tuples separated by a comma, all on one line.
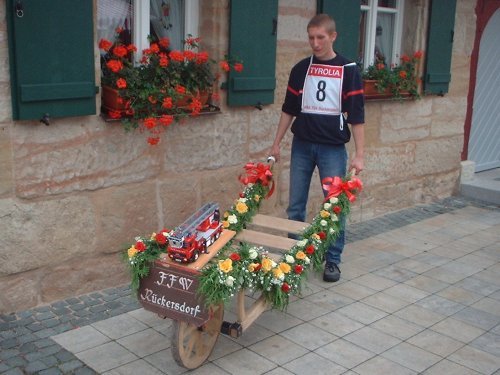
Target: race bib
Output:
[(322, 91)]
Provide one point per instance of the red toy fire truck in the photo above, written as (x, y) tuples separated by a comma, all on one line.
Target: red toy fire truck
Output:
[(195, 235)]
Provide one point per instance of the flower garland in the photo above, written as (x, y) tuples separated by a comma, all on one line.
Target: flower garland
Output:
[(251, 267)]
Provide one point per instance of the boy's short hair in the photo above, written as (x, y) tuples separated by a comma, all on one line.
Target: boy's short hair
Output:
[(322, 20)]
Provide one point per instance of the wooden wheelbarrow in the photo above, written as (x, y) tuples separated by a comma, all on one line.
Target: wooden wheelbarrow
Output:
[(170, 291)]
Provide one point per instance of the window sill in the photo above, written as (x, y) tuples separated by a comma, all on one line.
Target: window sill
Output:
[(209, 109)]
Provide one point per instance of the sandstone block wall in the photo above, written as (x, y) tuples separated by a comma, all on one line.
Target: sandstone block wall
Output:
[(74, 194)]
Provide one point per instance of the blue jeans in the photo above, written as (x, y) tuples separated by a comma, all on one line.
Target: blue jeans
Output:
[(331, 161)]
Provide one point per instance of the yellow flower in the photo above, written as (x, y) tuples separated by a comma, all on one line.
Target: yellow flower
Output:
[(225, 224), (226, 214), (315, 236), (324, 214), (300, 255), (131, 252), (252, 266), (285, 267), (256, 197), (241, 207), (267, 264), (277, 273), (153, 235), (226, 265)]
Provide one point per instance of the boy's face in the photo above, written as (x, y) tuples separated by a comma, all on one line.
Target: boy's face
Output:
[(321, 42)]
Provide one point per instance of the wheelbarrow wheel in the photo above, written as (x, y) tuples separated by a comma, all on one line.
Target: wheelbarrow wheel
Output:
[(192, 345)]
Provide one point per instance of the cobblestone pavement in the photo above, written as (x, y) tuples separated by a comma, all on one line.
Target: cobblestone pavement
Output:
[(27, 345)]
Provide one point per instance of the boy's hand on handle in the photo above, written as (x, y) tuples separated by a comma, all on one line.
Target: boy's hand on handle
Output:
[(275, 152), (357, 165)]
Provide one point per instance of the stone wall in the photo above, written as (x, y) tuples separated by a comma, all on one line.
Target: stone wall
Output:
[(75, 193)]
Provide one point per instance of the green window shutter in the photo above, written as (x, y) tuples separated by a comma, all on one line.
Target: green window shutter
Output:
[(51, 50), (439, 46), (347, 15), (252, 38)]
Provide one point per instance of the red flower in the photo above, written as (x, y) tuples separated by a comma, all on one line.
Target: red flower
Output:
[(402, 74), (224, 65), (298, 269), (163, 60), (167, 103), (153, 140), (131, 48), (176, 56), (285, 287), (121, 83), (234, 257), (166, 120), (152, 99), (105, 44), (114, 114), (119, 30), (150, 122), (139, 245), (195, 107), (154, 48), (322, 235), (180, 89), (238, 67), (201, 58), (120, 51), (160, 238), (337, 209), (405, 58), (189, 55), (380, 66), (310, 249), (164, 42), (114, 65)]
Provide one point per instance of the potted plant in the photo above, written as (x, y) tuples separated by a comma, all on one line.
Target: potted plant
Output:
[(164, 86), (381, 81)]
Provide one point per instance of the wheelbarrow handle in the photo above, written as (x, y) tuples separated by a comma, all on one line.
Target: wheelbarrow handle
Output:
[(271, 160)]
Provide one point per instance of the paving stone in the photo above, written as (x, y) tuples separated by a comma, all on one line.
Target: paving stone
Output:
[(70, 366), (17, 361), (14, 371), (51, 371), (5, 354), (478, 318)]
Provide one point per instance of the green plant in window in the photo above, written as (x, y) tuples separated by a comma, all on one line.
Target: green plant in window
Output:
[(399, 79), (164, 86)]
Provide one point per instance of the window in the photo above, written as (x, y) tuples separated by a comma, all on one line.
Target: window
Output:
[(380, 31), (138, 18)]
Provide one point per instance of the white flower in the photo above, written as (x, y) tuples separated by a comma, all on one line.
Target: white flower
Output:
[(307, 260), (327, 206), (289, 259), (334, 217), (232, 219), (253, 253), (334, 200), (331, 230), (230, 281), (242, 200), (301, 243), (323, 223)]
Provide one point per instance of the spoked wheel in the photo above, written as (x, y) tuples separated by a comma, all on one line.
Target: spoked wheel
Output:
[(192, 345)]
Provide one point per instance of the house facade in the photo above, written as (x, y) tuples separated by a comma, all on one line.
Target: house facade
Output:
[(75, 188)]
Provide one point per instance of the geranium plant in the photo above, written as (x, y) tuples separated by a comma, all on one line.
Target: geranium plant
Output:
[(164, 86), (398, 79)]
